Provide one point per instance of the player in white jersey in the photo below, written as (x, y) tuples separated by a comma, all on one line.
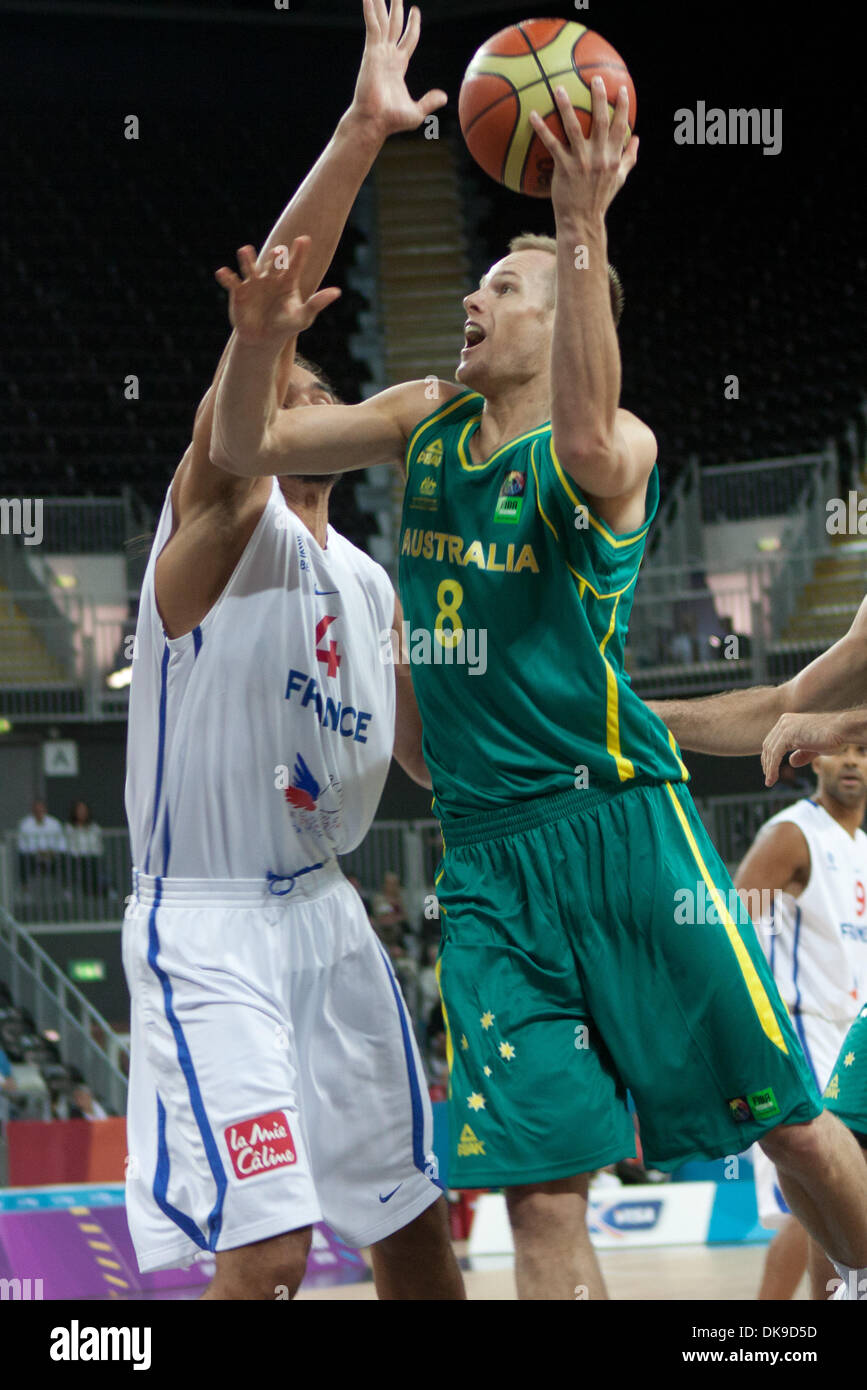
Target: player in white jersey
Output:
[(275, 1079), (809, 865)]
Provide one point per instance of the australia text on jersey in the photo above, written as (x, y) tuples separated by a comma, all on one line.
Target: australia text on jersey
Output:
[(440, 546)]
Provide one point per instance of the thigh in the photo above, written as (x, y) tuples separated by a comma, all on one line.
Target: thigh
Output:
[(679, 986), (533, 1095), (217, 1152), (362, 1087), (846, 1092)]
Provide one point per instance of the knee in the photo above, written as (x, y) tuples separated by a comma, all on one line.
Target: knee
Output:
[(540, 1207), (270, 1270), (796, 1146)]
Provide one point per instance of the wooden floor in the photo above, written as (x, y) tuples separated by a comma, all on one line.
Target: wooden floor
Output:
[(726, 1272)]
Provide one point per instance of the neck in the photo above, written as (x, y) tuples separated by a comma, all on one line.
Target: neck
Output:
[(309, 501), (850, 817), (512, 412)]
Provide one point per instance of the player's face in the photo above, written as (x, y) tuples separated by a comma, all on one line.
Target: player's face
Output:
[(305, 389), (509, 323), (843, 775)]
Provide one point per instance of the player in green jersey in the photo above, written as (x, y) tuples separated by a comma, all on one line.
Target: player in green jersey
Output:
[(592, 940)]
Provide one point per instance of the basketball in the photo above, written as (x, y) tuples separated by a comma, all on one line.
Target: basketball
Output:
[(516, 72)]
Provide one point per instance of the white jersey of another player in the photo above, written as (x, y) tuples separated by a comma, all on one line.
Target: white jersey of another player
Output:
[(818, 950), (259, 742)]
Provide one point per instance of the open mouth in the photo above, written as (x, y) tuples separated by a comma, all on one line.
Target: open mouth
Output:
[(473, 335)]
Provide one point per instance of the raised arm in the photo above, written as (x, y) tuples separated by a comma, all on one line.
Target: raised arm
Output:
[(320, 207), (252, 436), (742, 721), (608, 451)]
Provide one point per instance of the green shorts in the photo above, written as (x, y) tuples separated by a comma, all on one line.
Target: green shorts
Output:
[(846, 1092), (593, 942)]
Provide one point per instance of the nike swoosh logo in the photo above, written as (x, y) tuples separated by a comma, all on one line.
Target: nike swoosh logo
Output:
[(323, 593), (391, 1194)]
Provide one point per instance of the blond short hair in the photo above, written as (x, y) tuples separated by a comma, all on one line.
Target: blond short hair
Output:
[(534, 241)]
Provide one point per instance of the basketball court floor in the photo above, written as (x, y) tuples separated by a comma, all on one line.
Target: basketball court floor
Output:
[(705, 1272)]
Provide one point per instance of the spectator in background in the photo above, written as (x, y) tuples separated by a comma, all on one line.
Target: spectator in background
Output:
[(429, 990), (7, 1080), (406, 971), (365, 897), (436, 1054), (78, 1102), (40, 843), (682, 645), (84, 849), (389, 908), (85, 1106)]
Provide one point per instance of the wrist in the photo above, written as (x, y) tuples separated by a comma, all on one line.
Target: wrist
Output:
[(260, 350), (367, 131), (585, 227)]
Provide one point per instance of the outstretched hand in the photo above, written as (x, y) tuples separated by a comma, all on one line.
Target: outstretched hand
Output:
[(803, 737), (266, 306), (588, 170), (381, 94)]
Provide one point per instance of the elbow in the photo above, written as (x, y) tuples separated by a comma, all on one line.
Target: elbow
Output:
[(595, 465), (414, 766), (221, 458)]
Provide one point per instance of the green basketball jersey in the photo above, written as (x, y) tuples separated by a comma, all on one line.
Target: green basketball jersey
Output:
[(516, 600)]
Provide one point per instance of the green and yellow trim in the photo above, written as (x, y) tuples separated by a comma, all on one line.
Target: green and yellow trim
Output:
[(539, 507), (450, 1050), (758, 995), (466, 461), (618, 542), (625, 767), (675, 750), (435, 418)]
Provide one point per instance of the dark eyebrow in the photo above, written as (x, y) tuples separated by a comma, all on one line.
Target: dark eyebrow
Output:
[(499, 273)]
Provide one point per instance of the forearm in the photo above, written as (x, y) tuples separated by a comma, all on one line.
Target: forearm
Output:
[(585, 358), (320, 207), (245, 407), (731, 725)]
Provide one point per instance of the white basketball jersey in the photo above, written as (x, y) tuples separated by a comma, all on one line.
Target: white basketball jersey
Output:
[(818, 951), (259, 742)]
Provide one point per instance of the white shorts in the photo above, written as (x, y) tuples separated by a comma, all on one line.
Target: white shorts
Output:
[(821, 1042), (274, 1076)]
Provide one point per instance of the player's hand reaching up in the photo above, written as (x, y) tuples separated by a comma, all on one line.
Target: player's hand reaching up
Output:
[(589, 170), (381, 94), (266, 306)]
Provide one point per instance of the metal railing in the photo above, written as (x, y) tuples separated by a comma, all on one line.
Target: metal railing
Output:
[(58, 663), (87, 1042), (81, 525), (683, 622), (733, 821), (61, 889)]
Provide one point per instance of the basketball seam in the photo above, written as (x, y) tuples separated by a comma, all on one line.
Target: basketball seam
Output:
[(544, 76), (516, 92), (507, 96)]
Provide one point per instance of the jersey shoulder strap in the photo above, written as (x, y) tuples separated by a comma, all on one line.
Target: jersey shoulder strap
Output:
[(428, 440)]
